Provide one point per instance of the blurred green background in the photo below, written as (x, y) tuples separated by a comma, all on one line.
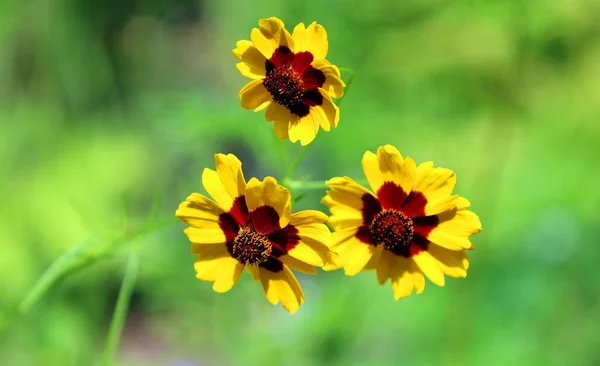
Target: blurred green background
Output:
[(110, 108)]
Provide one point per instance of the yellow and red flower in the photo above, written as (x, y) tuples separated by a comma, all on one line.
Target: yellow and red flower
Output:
[(251, 226), (291, 79), (411, 226)]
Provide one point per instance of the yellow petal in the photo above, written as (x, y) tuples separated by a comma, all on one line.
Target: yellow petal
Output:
[(434, 183), (304, 129), (417, 277), (241, 47), (263, 105), (338, 222), (345, 192), (293, 263), (228, 276), (315, 240), (282, 287), (270, 194), (428, 265), (334, 85), (254, 94), (281, 129), (346, 201), (330, 111), (387, 261), (270, 36), (452, 263), (402, 278), (227, 183), (388, 166), (353, 254), (281, 117), (454, 229), (229, 170), (253, 62), (374, 261), (308, 217), (199, 211), (277, 112), (443, 204), (214, 262), (317, 113), (312, 39), (205, 235)]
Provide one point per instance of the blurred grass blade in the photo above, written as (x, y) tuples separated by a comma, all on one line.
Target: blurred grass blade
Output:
[(121, 309), (80, 256), (63, 265)]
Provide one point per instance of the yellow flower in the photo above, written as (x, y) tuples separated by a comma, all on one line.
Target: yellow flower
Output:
[(411, 226), (251, 225), (291, 79)]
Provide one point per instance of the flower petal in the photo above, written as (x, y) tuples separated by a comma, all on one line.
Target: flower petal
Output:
[(214, 263), (453, 229), (402, 278), (417, 276), (199, 211), (229, 170), (428, 265), (389, 167), (305, 128), (353, 254), (269, 204), (270, 36), (277, 112), (308, 217), (434, 183), (253, 62), (312, 39), (387, 262), (330, 111), (282, 287), (345, 196), (281, 117), (452, 263), (228, 276), (202, 236), (334, 85), (254, 95), (227, 185), (298, 265)]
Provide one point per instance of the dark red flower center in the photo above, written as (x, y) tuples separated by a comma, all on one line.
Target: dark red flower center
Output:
[(393, 229), (255, 238), (251, 248), (292, 82)]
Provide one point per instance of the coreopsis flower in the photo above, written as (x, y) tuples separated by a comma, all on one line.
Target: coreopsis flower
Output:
[(291, 79), (251, 226), (408, 226)]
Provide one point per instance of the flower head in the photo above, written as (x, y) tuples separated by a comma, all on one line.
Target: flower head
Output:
[(251, 226), (291, 78), (411, 226)]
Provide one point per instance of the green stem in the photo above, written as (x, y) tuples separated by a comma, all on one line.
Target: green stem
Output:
[(314, 184), (306, 185), (348, 82), (121, 309)]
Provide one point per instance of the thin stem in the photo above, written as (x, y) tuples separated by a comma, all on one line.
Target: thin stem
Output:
[(121, 309), (306, 185), (314, 184), (348, 82), (77, 258)]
